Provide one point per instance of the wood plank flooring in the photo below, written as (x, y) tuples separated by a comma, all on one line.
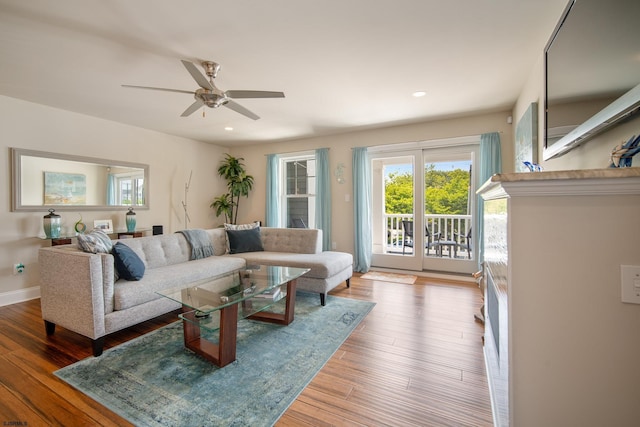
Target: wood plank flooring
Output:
[(416, 360)]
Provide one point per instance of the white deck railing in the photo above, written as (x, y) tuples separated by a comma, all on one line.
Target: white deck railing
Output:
[(450, 227)]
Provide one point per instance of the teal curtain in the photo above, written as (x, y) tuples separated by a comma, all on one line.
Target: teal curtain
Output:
[(323, 196), (272, 211), (490, 164), (362, 209), (111, 190)]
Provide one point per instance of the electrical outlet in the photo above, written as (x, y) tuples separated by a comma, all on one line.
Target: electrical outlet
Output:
[(630, 283), (18, 268)]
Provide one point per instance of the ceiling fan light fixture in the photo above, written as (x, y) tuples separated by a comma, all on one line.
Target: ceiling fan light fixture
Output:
[(209, 95)]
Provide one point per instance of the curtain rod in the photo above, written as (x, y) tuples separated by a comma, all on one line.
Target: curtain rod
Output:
[(427, 143), (299, 151)]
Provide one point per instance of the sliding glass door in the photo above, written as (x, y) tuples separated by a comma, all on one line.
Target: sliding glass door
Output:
[(423, 209)]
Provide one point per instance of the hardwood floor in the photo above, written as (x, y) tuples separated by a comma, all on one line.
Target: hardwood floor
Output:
[(415, 360)]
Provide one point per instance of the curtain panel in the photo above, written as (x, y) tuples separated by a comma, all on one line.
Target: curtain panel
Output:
[(490, 164), (323, 196), (272, 210), (362, 209)]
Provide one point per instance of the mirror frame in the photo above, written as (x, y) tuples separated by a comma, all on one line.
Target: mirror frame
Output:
[(16, 182)]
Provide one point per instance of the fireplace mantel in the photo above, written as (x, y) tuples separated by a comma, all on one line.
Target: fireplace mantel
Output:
[(559, 340)]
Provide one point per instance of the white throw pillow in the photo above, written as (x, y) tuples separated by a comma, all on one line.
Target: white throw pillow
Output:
[(96, 241), (241, 226)]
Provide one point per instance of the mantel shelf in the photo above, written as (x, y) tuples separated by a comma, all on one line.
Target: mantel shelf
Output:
[(613, 181)]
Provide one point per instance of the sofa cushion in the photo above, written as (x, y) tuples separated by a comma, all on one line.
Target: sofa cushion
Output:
[(244, 241), (128, 264), (161, 250), (322, 265), (171, 276), (96, 241)]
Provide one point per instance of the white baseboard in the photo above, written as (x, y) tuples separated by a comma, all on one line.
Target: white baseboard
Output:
[(20, 295)]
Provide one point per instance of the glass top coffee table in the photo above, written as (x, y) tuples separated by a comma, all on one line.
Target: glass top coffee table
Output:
[(214, 306)]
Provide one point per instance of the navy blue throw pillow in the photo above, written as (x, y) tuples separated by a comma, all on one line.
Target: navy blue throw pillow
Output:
[(127, 263), (244, 241)]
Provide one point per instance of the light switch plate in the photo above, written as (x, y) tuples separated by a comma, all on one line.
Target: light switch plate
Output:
[(630, 275)]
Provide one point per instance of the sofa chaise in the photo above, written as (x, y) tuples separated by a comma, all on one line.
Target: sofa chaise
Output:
[(79, 290)]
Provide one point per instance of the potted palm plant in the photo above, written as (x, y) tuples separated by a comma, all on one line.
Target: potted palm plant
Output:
[(239, 183)]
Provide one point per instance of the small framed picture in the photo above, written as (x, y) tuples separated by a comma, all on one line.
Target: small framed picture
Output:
[(105, 225)]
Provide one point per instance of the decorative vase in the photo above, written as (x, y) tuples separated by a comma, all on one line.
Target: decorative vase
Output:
[(52, 224), (80, 226), (131, 220)]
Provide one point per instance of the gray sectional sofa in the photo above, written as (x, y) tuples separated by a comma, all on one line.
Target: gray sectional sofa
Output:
[(79, 293)]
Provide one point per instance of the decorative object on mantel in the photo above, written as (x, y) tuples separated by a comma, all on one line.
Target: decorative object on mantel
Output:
[(80, 226), (622, 154), (52, 224), (533, 167), (239, 184), (131, 220), (526, 143)]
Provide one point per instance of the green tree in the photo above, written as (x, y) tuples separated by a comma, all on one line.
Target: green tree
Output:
[(446, 192)]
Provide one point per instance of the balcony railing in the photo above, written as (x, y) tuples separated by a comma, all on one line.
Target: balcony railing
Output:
[(451, 228)]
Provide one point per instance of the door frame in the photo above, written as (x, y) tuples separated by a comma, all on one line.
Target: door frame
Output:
[(417, 150)]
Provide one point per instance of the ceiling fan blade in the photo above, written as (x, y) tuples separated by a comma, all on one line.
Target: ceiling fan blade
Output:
[(253, 94), (197, 75), (240, 109), (160, 88), (192, 108)]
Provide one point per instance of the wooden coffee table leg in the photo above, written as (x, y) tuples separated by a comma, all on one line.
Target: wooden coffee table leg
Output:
[(289, 311), (220, 354)]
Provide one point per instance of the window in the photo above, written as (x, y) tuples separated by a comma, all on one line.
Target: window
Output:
[(299, 183), (129, 189)]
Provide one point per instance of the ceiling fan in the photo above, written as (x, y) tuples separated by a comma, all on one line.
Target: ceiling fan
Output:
[(208, 94)]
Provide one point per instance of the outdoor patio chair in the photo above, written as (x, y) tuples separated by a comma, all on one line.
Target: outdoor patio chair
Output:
[(298, 223), (463, 241), (431, 241)]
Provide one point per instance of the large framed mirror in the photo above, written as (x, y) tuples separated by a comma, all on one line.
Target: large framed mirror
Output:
[(64, 182)]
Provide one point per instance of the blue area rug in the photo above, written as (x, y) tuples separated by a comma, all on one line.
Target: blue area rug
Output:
[(154, 381)]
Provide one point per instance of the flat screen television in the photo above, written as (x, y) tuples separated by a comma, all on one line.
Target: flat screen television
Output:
[(592, 72)]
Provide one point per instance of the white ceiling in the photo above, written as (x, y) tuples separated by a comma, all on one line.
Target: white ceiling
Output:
[(343, 64)]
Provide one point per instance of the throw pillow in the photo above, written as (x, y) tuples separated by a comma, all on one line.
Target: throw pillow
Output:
[(95, 241), (127, 262), (244, 241), (241, 226)]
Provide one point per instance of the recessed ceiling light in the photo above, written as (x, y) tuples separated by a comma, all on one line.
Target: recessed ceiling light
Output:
[(228, 128), (419, 93)]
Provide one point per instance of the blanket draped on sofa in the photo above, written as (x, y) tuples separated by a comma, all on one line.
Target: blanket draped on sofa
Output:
[(200, 243)]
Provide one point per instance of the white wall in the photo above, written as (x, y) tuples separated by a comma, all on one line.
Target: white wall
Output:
[(171, 159), (340, 146)]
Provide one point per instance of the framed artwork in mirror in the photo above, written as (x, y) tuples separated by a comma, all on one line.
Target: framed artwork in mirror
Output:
[(65, 188)]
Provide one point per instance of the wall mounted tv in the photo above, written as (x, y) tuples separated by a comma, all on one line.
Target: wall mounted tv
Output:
[(592, 72)]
